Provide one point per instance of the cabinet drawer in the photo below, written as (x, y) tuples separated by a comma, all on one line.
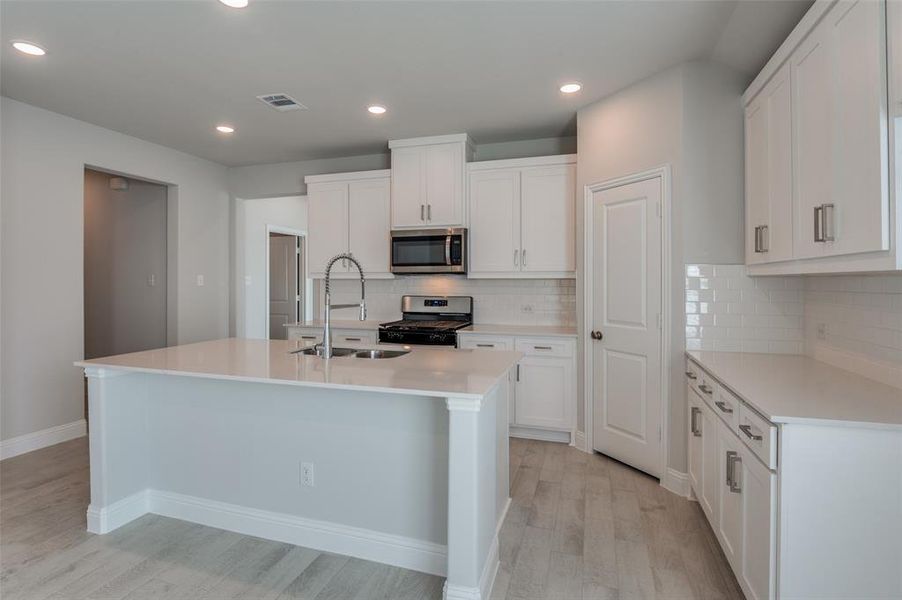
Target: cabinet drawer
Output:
[(472, 342), (353, 338), (307, 336), (759, 434), (726, 405), (544, 347)]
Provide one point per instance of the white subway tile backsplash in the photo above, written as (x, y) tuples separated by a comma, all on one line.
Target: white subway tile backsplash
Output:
[(496, 301), (859, 315), (728, 311)]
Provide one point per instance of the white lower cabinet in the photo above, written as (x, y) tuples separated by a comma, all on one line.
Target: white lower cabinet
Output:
[(342, 338), (736, 490), (782, 499), (544, 402)]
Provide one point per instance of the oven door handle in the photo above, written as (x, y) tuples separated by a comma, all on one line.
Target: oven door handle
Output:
[(448, 250)]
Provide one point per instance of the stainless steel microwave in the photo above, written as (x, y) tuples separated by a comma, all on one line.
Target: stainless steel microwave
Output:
[(429, 250)]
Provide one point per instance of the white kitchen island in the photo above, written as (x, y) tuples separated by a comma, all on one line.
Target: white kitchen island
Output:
[(409, 454)]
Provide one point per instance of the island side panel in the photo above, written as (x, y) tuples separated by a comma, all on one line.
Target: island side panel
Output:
[(228, 454), (117, 438), (840, 504), (474, 497)]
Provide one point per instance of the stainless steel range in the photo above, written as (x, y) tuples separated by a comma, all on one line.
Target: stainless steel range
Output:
[(429, 320)]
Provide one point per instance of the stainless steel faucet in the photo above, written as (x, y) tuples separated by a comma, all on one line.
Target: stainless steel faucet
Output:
[(327, 329)]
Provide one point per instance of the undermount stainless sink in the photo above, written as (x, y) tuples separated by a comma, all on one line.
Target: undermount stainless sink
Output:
[(318, 351), (380, 353)]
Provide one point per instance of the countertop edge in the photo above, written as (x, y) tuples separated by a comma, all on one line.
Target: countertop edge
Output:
[(786, 420)]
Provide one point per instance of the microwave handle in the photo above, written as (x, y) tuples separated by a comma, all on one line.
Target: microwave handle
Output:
[(448, 250)]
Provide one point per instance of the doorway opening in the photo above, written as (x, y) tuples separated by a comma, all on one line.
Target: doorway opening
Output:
[(286, 293), (125, 264)]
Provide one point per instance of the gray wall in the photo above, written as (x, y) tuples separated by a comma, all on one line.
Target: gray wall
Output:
[(41, 303), (125, 245), (689, 117)]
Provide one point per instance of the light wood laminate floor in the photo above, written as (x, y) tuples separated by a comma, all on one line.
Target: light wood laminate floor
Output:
[(580, 527)]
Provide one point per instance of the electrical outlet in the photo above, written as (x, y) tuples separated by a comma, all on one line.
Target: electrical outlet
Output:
[(822, 331), (307, 474), (527, 308), (152, 280), (200, 281)]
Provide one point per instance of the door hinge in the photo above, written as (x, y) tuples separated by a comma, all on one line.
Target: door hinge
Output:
[(297, 298), (297, 250)]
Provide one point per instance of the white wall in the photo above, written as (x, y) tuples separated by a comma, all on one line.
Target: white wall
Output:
[(287, 179), (125, 252), (44, 156), (252, 240), (661, 120)]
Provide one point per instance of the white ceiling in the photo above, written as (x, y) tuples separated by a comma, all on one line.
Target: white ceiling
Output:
[(169, 71)]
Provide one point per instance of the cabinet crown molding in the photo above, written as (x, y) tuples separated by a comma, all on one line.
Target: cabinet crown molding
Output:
[(354, 176), (435, 139), (532, 161)]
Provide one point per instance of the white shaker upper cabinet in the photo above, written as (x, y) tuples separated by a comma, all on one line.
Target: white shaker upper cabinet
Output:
[(841, 144), (523, 218), (349, 212), (839, 75), (768, 164), (327, 218), (369, 224), (427, 188), (548, 219), (408, 204), (495, 221)]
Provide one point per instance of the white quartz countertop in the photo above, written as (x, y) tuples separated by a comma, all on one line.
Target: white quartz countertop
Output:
[(551, 330), (424, 372), (798, 389), (368, 325)]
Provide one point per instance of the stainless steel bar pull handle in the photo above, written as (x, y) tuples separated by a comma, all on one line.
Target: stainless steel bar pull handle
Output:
[(350, 339), (428, 212), (516, 256), (523, 256), (763, 242), (705, 388), (828, 222), (723, 407), (747, 430), (485, 345), (732, 459), (422, 212), (818, 224), (691, 375), (693, 424), (542, 347)]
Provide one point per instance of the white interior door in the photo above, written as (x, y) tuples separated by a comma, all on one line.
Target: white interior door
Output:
[(626, 310), (283, 284)]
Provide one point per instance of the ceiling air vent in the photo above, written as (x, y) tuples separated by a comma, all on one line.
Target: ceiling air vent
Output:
[(281, 102)]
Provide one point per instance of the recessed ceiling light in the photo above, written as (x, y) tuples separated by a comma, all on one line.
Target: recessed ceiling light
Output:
[(572, 87), (235, 3), (376, 109), (225, 129), (29, 48)]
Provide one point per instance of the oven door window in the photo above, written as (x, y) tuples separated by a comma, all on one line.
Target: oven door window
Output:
[(418, 251)]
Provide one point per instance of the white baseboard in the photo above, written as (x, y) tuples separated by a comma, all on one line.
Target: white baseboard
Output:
[(41, 439), (884, 373), (579, 441), (676, 482), (114, 516), (544, 435), (408, 553)]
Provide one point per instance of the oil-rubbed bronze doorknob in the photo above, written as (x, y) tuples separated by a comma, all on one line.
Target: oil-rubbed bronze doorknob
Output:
[(596, 335)]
